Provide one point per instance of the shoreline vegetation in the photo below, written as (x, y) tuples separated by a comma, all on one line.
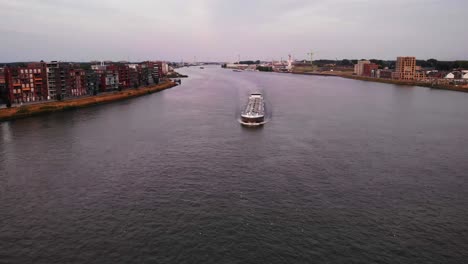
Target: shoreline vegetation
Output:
[(175, 74), (388, 81), (76, 103)]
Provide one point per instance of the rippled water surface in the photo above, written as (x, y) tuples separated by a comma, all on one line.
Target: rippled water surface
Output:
[(344, 172)]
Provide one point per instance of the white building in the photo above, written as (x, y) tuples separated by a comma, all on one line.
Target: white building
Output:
[(133, 66), (165, 68), (450, 75), (465, 75), (99, 67), (457, 75)]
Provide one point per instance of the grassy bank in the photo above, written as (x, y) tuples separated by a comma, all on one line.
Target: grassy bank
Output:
[(176, 75), (410, 83), (49, 107), (389, 81)]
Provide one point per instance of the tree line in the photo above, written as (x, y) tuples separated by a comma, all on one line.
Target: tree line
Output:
[(430, 63)]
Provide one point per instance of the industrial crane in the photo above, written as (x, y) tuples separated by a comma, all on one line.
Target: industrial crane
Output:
[(311, 54)]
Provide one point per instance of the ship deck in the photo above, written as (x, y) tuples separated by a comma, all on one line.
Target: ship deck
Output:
[(255, 107)]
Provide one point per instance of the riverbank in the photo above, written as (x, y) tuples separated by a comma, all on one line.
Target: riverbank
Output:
[(407, 83), (175, 74), (389, 81), (49, 107)]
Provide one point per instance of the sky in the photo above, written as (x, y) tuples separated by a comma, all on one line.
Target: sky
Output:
[(222, 30)]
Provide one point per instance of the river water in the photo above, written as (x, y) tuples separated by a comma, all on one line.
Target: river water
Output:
[(345, 171)]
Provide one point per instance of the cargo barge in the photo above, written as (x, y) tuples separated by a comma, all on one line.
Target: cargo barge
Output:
[(254, 113)]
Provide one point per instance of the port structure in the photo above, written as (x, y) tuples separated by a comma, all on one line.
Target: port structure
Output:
[(311, 54)]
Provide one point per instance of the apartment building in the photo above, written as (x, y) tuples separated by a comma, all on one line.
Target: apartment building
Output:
[(59, 79), (124, 76), (110, 79), (25, 84), (145, 73), (93, 82), (77, 83), (4, 91), (365, 68), (405, 68), (133, 75)]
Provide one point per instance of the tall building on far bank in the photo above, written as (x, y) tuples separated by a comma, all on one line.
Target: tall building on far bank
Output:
[(359, 67), (405, 68), (365, 68)]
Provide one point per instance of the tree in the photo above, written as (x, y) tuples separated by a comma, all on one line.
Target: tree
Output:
[(432, 62), (346, 62), (381, 63), (463, 64), (444, 66), (264, 68)]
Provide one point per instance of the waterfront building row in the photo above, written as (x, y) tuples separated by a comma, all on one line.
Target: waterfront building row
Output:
[(57, 80), (406, 69)]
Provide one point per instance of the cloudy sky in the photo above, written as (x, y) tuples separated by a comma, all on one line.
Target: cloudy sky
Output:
[(223, 29)]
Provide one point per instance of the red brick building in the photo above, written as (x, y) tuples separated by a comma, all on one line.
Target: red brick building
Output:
[(77, 83), (370, 69), (26, 84), (386, 74), (4, 91), (124, 76), (405, 68)]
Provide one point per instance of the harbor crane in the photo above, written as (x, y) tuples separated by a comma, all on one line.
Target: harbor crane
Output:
[(311, 54)]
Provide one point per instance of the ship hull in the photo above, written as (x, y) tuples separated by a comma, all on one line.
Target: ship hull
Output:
[(252, 121), (251, 124)]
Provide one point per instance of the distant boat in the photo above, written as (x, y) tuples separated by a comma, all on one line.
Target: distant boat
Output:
[(202, 67), (254, 113), (236, 70)]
